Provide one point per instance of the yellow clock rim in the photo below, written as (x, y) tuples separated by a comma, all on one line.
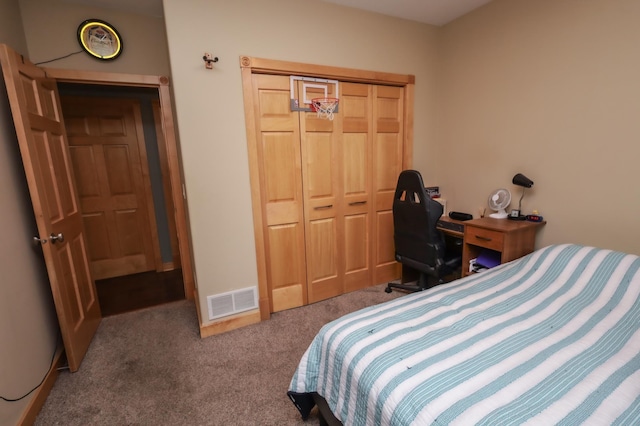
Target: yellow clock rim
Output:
[(108, 28)]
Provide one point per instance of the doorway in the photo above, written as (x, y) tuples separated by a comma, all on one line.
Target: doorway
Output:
[(35, 106), (118, 154)]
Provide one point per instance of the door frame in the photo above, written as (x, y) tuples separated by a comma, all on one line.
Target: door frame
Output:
[(250, 65), (161, 83)]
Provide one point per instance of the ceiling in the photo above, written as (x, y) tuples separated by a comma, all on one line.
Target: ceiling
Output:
[(434, 12)]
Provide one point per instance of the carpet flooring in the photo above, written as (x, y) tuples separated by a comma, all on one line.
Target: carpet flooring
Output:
[(150, 367)]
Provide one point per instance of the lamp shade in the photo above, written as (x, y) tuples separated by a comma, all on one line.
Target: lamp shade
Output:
[(522, 180)]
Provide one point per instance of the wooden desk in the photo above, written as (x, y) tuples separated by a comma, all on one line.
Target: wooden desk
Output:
[(512, 239)]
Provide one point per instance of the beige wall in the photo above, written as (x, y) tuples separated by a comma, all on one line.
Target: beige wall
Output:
[(210, 109), (28, 327), (550, 89), (51, 30)]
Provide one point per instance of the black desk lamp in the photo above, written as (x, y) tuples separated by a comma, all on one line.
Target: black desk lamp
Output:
[(524, 182)]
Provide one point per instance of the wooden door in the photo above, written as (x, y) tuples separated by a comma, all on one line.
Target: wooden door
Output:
[(388, 113), (35, 107), (356, 148), (106, 141), (320, 141), (279, 166)]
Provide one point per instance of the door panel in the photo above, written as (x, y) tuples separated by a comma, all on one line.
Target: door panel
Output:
[(324, 280), (357, 254), (387, 268), (321, 177), (109, 157), (281, 192), (286, 266), (41, 135), (388, 112), (356, 108)]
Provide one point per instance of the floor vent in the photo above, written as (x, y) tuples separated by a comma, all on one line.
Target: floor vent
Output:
[(233, 302)]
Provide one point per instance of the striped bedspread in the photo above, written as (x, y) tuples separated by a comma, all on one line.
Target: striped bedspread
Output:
[(551, 338)]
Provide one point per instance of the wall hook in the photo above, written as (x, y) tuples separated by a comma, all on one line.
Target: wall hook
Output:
[(209, 60)]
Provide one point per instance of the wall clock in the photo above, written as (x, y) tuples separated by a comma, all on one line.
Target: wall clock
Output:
[(100, 39)]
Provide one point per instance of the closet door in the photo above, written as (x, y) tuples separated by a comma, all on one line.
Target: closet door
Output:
[(388, 113), (356, 149), (281, 191), (321, 179)]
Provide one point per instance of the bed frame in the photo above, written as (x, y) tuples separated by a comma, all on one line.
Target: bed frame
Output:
[(324, 412)]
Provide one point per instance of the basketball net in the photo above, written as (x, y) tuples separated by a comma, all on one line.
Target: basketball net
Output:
[(324, 107)]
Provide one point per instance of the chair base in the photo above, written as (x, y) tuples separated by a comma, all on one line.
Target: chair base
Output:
[(424, 282)]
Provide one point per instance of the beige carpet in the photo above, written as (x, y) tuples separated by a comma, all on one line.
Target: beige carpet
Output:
[(150, 367)]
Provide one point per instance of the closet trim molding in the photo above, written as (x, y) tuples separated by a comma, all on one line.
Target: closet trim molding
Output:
[(250, 65)]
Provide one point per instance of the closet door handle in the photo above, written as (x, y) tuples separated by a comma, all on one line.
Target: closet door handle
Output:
[(357, 203), (328, 206)]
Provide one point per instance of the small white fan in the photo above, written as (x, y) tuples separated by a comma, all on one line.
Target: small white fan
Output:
[(499, 201)]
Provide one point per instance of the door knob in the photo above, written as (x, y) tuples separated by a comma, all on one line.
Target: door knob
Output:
[(56, 238), (38, 240)]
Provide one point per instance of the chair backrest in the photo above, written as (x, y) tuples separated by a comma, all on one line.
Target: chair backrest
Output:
[(415, 216)]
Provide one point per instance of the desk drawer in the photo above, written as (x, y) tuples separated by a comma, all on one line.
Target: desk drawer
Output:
[(484, 238)]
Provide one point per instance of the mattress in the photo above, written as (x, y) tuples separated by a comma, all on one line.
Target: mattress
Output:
[(550, 338)]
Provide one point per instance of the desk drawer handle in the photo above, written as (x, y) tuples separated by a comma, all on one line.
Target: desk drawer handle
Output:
[(328, 206), (357, 203), (483, 238)]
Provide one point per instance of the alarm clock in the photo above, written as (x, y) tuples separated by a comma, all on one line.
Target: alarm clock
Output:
[(534, 218)]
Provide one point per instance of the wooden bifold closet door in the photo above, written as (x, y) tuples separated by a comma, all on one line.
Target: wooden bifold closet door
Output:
[(326, 188)]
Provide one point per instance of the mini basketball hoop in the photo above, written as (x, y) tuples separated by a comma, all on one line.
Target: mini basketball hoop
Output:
[(324, 107)]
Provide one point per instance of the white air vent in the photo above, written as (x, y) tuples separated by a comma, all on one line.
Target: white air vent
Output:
[(233, 302)]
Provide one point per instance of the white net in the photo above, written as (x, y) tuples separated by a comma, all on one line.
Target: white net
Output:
[(325, 107)]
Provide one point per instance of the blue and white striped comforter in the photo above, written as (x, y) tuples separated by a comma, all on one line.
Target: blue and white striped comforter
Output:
[(551, 338)]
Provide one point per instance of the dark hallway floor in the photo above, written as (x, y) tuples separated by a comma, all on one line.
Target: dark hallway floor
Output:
[(132, 292)]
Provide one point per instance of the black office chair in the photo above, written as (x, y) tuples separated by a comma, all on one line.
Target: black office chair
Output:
[(419, 245)]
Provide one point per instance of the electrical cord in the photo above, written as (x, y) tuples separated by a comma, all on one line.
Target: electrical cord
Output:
[(61, 57), (53, 357)]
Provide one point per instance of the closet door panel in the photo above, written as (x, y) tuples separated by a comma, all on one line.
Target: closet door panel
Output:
[(387, 268), (286, 262), (388, 168), (321, 168), (322, 270), (357, 253), (355, 107), (281, 192), (319, 179), (356, 110), (389, 109), (321, 213), (273, 103), (388, 112), (281, 165)]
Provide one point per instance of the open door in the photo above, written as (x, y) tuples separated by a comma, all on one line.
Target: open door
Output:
[(35, 106)]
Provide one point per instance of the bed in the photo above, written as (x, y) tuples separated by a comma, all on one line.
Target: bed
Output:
[(550, 338)]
